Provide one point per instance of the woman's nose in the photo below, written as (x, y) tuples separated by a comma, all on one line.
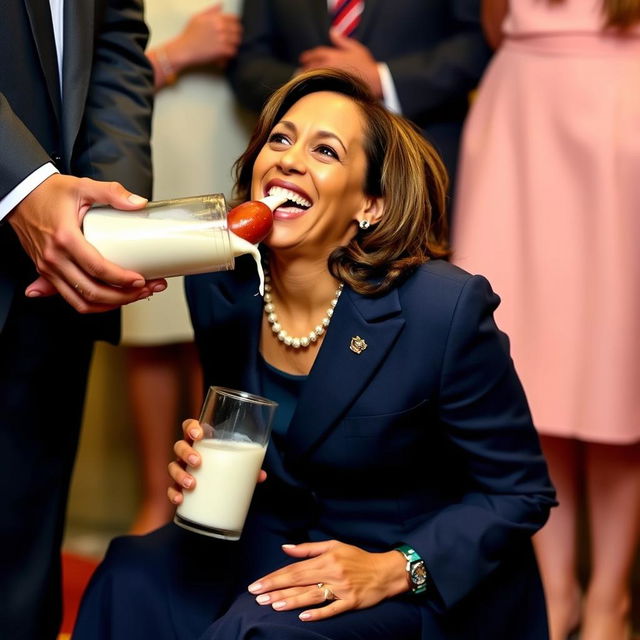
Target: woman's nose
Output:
[(292, 160)]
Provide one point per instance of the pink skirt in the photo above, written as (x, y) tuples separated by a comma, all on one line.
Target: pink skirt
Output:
[(548, 208)]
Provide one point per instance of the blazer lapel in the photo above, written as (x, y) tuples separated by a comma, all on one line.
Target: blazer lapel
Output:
[(339, 375), (78, 52), (42, 28)]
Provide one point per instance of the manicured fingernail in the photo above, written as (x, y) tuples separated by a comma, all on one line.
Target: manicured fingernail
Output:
[(193, 459), (33, 294), (279, 604), (304, 616), (263, 599), (194, 433), (138, 283), (135, 199), (256, 586), (288, 546), (159, 287), (187, 482)]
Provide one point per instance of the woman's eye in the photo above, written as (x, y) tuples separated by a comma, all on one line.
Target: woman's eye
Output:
[(278, 138), (326, 150)]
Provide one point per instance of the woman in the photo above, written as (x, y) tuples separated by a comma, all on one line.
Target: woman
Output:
[(547, 209), (401, 419)]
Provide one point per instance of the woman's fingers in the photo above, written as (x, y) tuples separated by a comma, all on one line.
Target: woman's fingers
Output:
[(308, 549), (294, 598), (174, 495), (333, 609), (303, 573), (186, 453), (192, 430), (180, 476), (309, 596)]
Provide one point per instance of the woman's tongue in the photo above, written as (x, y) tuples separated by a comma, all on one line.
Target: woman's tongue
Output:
[(289, 210)]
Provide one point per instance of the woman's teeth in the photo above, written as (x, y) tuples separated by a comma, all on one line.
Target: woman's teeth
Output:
[(292, 196)]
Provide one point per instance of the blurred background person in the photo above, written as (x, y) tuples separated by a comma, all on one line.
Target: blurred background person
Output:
[(547, 208), (421, 57), (198, 132)]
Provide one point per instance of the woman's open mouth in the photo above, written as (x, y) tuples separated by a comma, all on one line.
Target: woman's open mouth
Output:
[(295, 206)]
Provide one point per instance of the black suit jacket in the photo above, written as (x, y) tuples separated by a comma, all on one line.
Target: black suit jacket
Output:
[(435, 51), (99, 129), (424, 438)]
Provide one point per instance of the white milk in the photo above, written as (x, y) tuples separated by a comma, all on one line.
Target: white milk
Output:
[(225, 482), (160, 247)]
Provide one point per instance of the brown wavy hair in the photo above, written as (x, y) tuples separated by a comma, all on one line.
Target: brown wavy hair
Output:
[(620, 14), (402, 167)]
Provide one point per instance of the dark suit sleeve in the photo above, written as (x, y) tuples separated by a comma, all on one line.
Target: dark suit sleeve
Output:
[(20, 152), (258, 71), (484, 413), (449, 70), (113, 143)]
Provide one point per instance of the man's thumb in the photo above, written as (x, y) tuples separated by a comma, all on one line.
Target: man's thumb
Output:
[(120, 198)]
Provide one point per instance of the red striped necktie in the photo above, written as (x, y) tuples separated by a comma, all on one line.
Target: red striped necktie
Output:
[(346, 15)]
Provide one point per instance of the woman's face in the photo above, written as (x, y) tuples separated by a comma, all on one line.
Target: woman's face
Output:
[(316, 154)]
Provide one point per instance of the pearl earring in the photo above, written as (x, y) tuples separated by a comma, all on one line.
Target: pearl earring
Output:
[(364, 224)]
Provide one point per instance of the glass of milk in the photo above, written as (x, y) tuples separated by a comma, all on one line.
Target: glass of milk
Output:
[(236, 428)]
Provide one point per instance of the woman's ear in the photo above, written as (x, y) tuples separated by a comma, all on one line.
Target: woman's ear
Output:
[(372, 211)]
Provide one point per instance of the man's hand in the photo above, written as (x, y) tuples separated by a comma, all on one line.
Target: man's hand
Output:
[(48, 223), (209, 36), (346, 54)]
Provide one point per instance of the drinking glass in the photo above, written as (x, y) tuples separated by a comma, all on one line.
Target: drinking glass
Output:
[(237, 426)]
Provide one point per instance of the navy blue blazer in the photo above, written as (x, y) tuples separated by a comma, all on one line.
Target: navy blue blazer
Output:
[(425, 437)]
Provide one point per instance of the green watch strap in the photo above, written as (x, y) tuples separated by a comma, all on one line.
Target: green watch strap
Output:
[(416, 568)]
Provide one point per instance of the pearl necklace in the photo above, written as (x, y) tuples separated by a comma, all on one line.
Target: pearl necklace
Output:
[(280, 333)]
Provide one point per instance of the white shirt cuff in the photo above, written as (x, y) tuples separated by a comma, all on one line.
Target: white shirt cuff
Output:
[(19, 193), (389, 93)]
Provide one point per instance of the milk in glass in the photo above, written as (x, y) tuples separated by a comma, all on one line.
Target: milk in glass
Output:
[(225, 482)]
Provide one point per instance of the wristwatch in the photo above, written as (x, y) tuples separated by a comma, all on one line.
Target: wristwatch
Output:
[(416, 569)]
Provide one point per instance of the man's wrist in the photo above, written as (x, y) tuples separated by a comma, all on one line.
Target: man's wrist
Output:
[(22, 190)]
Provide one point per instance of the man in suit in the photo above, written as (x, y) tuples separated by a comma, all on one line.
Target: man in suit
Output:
[(422, 57), (75, 99)]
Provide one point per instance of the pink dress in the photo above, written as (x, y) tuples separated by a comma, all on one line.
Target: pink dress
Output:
[(548, 208)]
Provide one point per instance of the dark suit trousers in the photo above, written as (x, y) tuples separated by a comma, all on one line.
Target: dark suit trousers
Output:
[(174, 584), (44, 360)]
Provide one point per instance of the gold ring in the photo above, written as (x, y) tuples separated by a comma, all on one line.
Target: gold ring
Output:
[(327, 594)]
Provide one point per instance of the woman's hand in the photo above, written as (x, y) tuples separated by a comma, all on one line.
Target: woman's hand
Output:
[(187, 457), (346, 576)]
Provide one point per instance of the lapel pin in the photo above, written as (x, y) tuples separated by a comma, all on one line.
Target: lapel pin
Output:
[(358, 345)]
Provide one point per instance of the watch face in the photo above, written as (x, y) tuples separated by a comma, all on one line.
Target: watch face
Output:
[(418, 573)]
